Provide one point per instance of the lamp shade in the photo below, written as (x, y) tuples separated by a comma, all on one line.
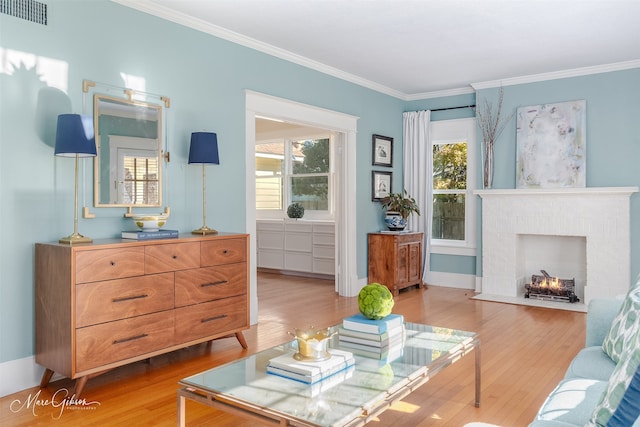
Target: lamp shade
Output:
[(75, 135), (204, 148)]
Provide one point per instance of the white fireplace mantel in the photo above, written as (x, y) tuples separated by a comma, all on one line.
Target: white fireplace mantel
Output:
[(557, 191), (601, 215)]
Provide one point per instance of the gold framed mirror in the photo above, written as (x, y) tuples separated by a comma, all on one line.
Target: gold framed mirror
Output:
[(128, 167)]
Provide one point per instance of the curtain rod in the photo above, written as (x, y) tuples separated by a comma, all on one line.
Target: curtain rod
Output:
[(454, 108)]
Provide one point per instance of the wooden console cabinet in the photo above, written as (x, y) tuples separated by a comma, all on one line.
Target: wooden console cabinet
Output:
[(395, 260), (114, 302)]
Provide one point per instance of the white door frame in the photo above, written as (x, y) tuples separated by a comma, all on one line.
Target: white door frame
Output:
[(286, 110)]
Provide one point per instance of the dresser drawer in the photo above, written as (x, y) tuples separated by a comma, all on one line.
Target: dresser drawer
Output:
[(223, 251), (171, 257), (106, 264), (210, 283), (111, 342), (211, 318), (121, 298)]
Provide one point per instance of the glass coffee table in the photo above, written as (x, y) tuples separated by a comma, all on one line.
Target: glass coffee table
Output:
[(350, 398)]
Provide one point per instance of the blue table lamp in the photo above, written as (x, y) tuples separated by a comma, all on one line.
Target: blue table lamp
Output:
[(75, 138), (204, 150)]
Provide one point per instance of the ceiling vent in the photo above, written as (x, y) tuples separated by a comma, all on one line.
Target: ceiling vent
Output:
[(30, 10)]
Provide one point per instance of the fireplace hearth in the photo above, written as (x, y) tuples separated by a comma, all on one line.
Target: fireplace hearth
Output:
[(550, 288)]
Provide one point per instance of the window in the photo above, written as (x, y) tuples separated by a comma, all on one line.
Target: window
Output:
[(449, 190), (294, 170), (453, 204)]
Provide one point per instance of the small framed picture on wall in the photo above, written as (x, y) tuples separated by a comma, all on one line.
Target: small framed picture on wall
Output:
[(382, 150), (380, 185)]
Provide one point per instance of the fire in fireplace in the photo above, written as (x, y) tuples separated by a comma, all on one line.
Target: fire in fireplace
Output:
[(550, 288)]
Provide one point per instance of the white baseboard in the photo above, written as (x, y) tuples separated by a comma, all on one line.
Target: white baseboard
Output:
[(20, 374), (452, 280)]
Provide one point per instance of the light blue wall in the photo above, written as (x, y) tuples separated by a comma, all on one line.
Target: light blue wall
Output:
[(205, 78)]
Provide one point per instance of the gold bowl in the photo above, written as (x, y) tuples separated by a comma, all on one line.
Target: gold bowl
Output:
[(312, 344), (150, 222)]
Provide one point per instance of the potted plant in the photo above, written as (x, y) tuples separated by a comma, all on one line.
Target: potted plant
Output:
[(398, 207)]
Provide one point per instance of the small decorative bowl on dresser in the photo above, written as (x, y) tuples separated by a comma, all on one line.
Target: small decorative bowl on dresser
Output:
[(150, 222)]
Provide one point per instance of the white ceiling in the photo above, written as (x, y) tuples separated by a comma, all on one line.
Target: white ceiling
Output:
[(421, 48)]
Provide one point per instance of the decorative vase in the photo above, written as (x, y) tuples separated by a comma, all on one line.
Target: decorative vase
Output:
[(394, 221)]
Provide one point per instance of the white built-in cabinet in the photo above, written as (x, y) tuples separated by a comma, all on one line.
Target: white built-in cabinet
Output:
[(296, 246)]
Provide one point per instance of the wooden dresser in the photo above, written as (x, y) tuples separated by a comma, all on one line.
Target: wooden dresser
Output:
[(395, 260), (113, 302)]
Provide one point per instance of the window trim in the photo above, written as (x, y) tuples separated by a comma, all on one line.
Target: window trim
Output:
[(457, 130)]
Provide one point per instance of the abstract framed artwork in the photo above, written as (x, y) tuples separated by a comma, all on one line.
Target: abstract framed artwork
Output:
[(382, 150), (380, 185), (551, 145)]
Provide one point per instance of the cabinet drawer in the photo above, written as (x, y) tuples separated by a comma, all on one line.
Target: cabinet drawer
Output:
[(111, 342), (298, 227), (327, 252), (297, 242), (270, 259), (121, 298), (270, 226), (328, 228), (171, 257), (211, 283), (324, 239), (324, 266), (223, 251), (270, 240), (297, 261), (211, 318), (106, 264)]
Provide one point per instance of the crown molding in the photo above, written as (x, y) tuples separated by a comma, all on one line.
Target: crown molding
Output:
[(214, 30), (575, 72), (440, 93)]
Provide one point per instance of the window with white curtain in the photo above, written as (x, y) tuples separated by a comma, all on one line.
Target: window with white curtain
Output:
[(453, 205)]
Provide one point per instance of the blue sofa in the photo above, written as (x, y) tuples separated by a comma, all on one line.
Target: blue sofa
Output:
[(599, 390)]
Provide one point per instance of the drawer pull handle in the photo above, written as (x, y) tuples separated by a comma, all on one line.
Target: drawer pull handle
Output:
[(136, 337), (222, 316), (129, 298), (225, 251), (219, 282), (175, 257), (113, 263)]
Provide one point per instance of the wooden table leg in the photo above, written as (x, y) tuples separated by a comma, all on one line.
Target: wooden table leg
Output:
[(80, 383), (46, 377), (241, 339)]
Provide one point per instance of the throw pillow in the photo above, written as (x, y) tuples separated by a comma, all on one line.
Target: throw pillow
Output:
[(618, 384), (625, 326), (629, 408)]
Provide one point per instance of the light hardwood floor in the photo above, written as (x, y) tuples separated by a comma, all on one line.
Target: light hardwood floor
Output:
[(525, 351)]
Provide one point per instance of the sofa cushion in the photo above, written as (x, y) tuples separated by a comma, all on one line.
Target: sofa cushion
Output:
[(628, 410), (572, 401), (617, 386), (592, 363), (625, 326)]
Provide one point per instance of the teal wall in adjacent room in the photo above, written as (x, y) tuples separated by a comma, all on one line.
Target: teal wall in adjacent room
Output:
[(41, 74)]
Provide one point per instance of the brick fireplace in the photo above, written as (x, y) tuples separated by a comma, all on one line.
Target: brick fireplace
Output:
[(581, 233)]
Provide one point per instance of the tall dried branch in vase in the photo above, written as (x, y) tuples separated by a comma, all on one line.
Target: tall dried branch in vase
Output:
[(491, 124)]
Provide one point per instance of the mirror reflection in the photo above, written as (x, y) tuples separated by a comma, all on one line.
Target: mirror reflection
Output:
[(128, 167)]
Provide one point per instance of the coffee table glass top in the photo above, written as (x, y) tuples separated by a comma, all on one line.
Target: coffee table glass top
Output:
[(341, 397)]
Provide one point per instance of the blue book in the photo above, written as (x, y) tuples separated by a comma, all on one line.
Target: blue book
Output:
[(358, 322), (147, 235)]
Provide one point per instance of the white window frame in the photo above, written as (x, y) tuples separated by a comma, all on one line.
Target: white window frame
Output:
[(450, 131), (287, 173)]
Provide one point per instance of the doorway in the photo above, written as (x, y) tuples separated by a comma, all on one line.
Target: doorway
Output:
[(341, 124)]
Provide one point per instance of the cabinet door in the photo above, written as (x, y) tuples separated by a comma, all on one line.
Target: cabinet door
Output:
[(402, 264), (415, 262)]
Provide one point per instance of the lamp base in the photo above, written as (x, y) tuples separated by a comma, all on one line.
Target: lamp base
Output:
[(204, 230), (75, 238)]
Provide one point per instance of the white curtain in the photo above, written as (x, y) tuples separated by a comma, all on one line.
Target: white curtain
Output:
[(418, 173)]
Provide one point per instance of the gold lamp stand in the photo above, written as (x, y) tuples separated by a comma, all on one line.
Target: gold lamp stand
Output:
[(75, 237), (204, 230)]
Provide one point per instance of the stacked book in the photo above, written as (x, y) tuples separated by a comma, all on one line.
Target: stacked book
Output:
[(311, 372), (148, 235), (379, 339)]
